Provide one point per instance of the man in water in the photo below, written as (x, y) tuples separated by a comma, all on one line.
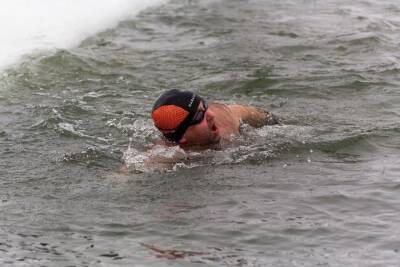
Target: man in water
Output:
[(186, 119)]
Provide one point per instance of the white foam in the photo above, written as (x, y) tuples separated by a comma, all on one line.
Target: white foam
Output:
[(30, 25)]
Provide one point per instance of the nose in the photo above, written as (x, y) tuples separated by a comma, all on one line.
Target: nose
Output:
[(209, 115), (210, 118)]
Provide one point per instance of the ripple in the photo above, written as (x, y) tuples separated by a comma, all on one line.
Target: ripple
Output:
[(91, 157), (321, 189)]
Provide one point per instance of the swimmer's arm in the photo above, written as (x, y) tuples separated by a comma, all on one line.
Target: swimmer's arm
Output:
[(155, 157), (254, 116)]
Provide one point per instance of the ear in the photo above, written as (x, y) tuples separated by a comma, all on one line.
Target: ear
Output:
[(183, 141)]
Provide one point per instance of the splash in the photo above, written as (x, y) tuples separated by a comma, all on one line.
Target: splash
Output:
[(253, 145), (31, 25), (158, 157)]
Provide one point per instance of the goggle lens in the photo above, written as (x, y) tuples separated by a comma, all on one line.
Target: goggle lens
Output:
[(199, 116)]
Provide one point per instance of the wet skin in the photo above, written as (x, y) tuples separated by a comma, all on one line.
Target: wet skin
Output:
[(222, 121), (203, 133)]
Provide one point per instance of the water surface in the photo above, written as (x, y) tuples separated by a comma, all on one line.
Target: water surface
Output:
[(322, 189)]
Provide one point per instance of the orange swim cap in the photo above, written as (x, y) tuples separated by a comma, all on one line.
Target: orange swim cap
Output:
[(173, 111), (169, 117)]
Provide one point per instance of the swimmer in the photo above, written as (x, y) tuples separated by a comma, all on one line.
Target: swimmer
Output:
[(186, 119)]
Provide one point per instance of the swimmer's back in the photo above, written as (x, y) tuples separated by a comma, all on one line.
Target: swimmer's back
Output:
[(254, 116)]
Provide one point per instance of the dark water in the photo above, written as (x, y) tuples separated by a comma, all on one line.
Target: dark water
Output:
[(321, 190)]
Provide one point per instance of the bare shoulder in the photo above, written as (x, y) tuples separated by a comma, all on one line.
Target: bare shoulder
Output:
[(254, 116), (226, 120), (219, 106), (223, 111)]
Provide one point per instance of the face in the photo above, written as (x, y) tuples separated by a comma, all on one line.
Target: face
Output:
[(203, 133)]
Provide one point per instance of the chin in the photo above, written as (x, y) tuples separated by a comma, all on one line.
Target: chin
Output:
[(215, 139), (215, 136)]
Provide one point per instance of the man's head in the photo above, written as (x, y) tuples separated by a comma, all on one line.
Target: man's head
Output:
[(183, 117)]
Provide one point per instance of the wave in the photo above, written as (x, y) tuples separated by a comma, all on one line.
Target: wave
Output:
[(32, 25)]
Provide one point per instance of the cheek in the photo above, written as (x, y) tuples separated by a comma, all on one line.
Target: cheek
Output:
[(203, 126), (198, 133), (195, 132)]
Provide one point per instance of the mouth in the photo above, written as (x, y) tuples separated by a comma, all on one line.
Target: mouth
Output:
[(214, 128), (215, 133)]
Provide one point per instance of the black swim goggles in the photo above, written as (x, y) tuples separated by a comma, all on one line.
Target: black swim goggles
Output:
[(197, 118)]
